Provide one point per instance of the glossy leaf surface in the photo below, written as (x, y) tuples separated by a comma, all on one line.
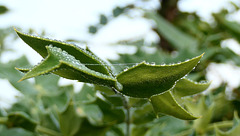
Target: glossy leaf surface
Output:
[(39, 45), (145, 80), (65, 65)]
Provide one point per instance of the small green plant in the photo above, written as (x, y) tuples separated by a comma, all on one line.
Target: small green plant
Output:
[(158, 88)]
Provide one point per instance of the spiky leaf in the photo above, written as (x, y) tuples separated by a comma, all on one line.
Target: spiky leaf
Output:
[(145, 80), (65, 65), (185, 87), (39, 45)]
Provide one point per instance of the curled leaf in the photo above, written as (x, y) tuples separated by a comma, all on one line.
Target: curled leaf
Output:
[(61, 63), (166, 104), (186, 87), (39, 45)]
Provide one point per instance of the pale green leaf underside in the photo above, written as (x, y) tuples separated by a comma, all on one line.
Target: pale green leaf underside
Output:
[(185, 87), (61, 63), (145, 80), (166, 104), (39, 45)]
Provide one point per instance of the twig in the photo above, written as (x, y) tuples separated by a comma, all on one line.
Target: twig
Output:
[(47, 131), (127, 108)]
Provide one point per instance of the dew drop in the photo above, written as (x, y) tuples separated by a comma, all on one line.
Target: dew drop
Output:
[(153, 63)]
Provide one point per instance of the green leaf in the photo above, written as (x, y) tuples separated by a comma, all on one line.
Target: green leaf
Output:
[(3, 9), (234, 131), (139, 130), (145, 80), (70, 121), (143, 114), (88, 129), (59, 100), (165, 103), (20, 119), (48, 120), (111, 114), (93, 113), (4, 131), (39, 45), (86, 95), (176, 37), (8, 71), (48, 83), (65, 65), (186, 87), (232, 27), (115, 99), (206, 117)]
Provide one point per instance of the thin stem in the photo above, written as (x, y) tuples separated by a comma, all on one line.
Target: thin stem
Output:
[(127, 108), (223, 124), (47, 131)]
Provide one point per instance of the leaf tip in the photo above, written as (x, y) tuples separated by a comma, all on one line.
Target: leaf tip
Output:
[(15, 29)]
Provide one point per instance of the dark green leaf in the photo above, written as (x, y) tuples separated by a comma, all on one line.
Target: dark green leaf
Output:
[(65, 65), (145, 80), (4, 131), (3, 9), (88, 129), (139, 130), (20, 119), (116, 100), (111, 115), (143, 114), (39, 45)]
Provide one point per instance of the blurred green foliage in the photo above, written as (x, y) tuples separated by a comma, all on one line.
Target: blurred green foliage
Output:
[(44, 104)]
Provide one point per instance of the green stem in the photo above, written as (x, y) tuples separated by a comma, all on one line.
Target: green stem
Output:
[(223, 124), (127, 108), (47, 131)]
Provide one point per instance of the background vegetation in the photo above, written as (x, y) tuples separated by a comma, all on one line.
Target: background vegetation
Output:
[(182, 36)]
